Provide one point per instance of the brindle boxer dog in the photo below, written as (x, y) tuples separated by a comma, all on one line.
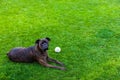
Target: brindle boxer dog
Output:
[(35, 53)]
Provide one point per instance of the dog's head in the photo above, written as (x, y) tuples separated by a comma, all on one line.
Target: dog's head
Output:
[(43, 44)]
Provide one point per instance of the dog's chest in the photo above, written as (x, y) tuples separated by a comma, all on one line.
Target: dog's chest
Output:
[(42, 56)]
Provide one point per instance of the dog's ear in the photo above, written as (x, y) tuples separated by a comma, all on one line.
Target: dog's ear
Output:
[(37, 41), (48, 39)]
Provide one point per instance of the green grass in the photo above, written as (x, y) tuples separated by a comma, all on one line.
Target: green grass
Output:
[(88, 32)]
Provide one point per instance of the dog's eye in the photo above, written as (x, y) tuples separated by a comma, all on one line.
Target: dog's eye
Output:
[(44, 44)]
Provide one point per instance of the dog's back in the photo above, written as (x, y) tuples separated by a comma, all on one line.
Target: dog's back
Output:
[(21, 54)]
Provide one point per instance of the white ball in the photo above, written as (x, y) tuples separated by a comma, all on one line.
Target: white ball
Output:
[(57, 49)]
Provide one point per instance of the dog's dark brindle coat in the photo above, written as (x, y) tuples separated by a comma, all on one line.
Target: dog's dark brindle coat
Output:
[(35, 53)]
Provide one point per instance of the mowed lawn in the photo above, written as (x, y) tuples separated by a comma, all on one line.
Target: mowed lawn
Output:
[(88, 32)]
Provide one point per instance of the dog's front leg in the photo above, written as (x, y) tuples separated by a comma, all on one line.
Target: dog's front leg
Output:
[(44, 63), (55, 61)]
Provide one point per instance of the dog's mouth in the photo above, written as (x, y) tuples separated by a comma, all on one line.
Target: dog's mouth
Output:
[(45, 49)]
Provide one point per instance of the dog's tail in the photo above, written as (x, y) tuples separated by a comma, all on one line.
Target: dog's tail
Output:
[(7, 54)]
